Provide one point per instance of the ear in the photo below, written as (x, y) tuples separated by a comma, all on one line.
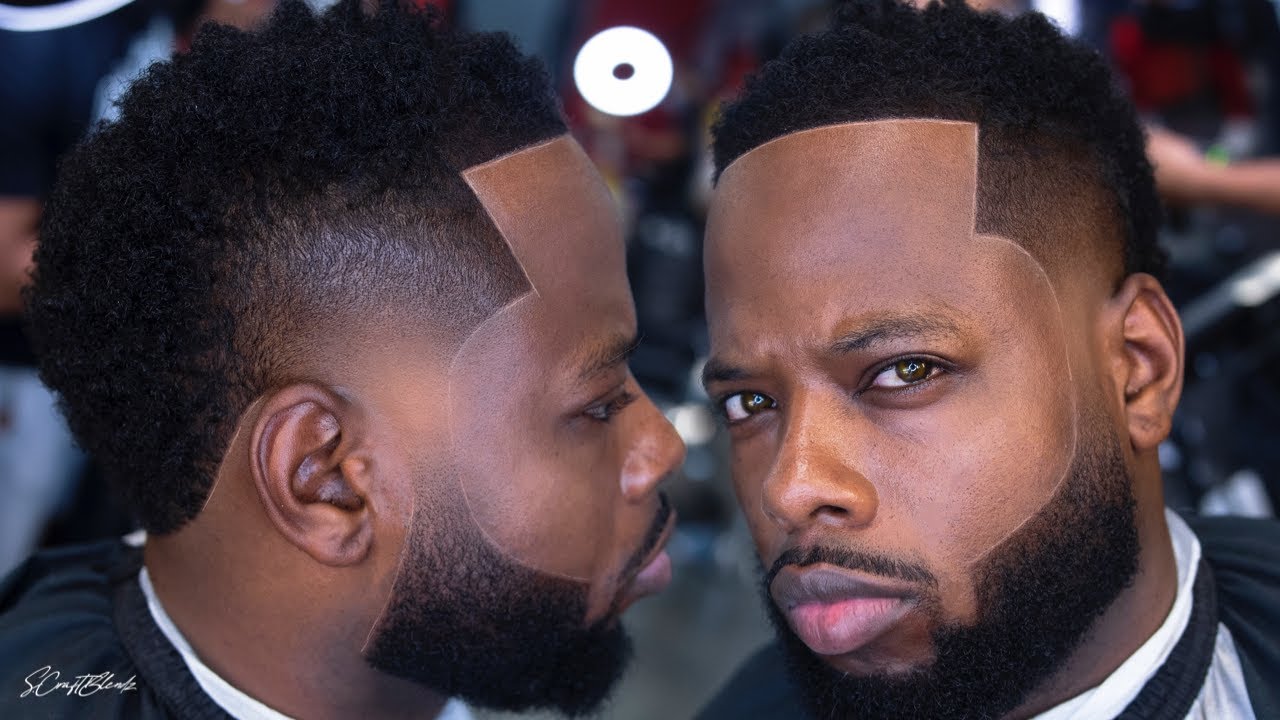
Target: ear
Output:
[(311, 472), (1146, 358)]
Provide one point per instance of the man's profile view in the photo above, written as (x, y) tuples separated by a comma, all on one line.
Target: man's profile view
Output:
[(343, 310), (946, 362)]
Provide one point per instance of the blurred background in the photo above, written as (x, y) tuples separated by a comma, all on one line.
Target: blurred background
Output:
[(641, 82)]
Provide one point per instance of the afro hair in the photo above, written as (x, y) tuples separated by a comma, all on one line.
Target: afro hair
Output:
[(253, 192), (1061, 155)]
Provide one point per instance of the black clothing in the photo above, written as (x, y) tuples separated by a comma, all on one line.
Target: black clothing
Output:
[(1237, 584), (79, 611)]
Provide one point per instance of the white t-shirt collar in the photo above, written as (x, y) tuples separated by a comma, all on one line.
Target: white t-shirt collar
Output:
[(230, 698)]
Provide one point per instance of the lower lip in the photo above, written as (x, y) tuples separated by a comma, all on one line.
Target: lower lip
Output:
[(842, 627), (653, 577)]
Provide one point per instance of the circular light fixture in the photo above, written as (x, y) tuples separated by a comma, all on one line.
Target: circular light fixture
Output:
[(623, 71)]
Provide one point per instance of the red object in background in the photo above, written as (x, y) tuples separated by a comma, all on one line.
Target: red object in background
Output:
[(741, 62), (1162, 74), (444, 6)]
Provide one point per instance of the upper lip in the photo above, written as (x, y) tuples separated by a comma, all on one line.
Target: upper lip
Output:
[(824, 583)]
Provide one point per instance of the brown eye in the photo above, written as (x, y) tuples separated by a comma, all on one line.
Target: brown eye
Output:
[(912, 370), (740, 406), (903, 373)]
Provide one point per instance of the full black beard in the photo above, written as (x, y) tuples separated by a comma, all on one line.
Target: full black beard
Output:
[(469, 623), (1037, 595)]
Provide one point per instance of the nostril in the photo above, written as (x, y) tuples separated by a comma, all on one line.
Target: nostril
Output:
[(845, 517)]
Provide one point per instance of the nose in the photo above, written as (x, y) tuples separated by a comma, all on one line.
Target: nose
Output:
[(655, 453), (813, 480)]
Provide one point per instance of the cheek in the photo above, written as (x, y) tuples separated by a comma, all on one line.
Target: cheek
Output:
[(994, 453), (973, 469), (537, 489), (546, 502)]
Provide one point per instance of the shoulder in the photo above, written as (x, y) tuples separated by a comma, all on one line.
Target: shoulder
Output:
[(1244, 555), (62, 593), (65, 591), (760, 689), (60, 655), (1239, 537)]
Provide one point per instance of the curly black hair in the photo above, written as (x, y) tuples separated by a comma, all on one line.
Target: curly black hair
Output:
[(1061, 155), (255, 194)]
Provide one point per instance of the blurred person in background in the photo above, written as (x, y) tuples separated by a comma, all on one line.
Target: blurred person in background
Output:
[(1185, 175), (62, 66), (946, 363), (342, 310)]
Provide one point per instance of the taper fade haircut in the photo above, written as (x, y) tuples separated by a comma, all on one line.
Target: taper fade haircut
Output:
[(1062, 165), (256, 193)]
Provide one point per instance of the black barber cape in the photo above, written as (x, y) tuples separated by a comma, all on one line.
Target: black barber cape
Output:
[(77, 641), (1237, 584)]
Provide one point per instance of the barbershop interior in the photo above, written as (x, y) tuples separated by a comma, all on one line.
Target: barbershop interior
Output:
[(641, 83)]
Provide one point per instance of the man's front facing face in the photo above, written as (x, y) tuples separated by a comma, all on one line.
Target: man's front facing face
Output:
[(897, 386)]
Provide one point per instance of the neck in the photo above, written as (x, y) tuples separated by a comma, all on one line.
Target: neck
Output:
[(272, 622), (1130, 621)]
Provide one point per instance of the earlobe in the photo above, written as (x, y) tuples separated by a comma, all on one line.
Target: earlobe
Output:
[(1148, 362), (309, 473)]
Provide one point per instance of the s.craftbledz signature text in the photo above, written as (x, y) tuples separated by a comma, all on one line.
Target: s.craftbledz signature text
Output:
[(47, 681)]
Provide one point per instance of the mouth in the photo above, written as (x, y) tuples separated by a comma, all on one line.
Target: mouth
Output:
[(837, 611), (650, 573)]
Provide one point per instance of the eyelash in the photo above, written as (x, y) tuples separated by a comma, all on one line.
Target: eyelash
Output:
[(606, 411)]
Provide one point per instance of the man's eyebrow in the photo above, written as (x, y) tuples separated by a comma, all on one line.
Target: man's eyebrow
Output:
[(608, 355), (716, 371), (894, 327)]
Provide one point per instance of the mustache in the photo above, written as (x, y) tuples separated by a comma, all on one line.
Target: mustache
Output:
[(881, 565), (651, 537)]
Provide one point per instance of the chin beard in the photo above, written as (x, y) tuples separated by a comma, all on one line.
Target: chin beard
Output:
[(1038, 594), (469, 623)]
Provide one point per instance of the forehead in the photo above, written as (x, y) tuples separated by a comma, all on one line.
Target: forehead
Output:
[(555, 212), (558, 217), (849, 180), (859, 218)]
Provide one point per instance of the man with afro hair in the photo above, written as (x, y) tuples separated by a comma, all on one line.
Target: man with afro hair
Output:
[(946, 362), (342, 311)]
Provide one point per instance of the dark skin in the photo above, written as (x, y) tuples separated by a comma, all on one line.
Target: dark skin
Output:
[(279, 581), (302, 580), (897, 384), (19, 217), (586, 272)]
